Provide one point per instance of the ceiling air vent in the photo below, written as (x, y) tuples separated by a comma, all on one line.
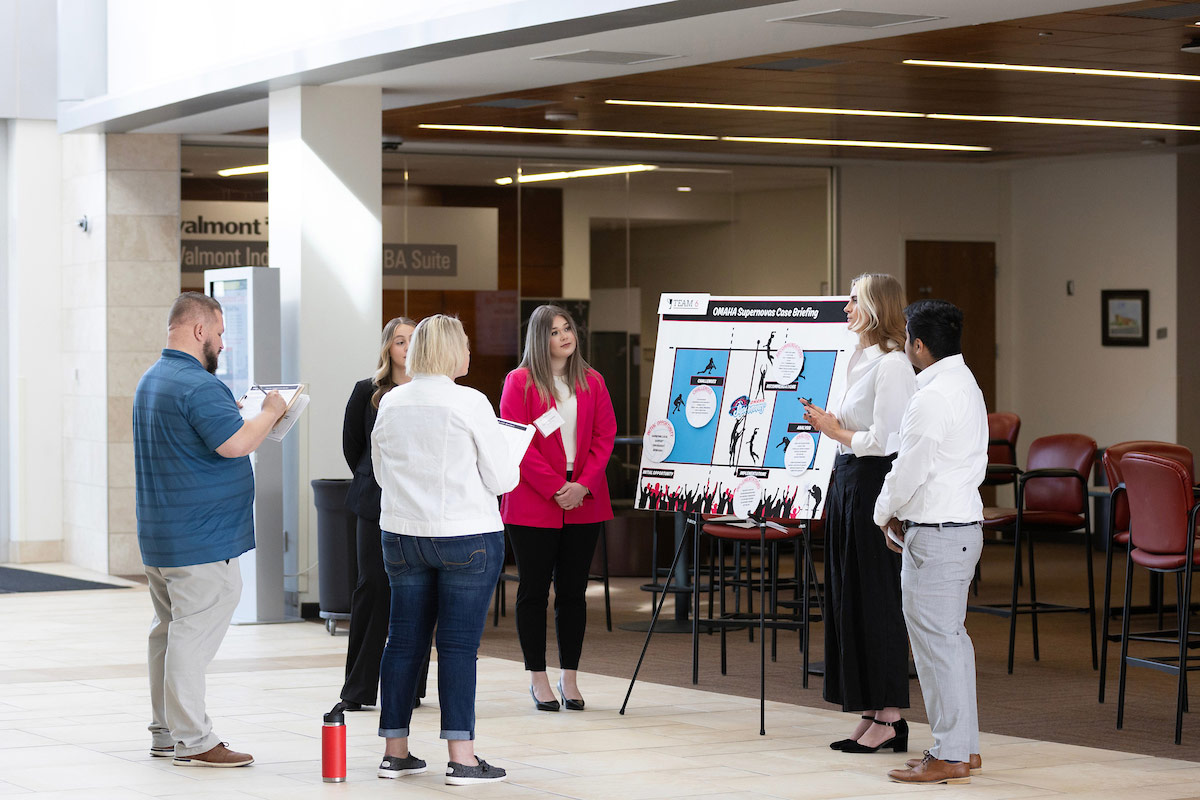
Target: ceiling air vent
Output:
[(1182, 11), (609, 57), (512, 102), (792, 64), (847, 18)]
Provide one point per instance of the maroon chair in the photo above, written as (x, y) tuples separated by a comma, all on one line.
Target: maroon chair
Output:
[(1052, 497), (1118, 522), (1162, 539), (1003, 428)]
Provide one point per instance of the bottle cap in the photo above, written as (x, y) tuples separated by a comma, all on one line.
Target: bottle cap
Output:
[(336, 715)]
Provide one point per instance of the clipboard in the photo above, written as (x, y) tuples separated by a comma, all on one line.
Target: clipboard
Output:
[(292, 393)]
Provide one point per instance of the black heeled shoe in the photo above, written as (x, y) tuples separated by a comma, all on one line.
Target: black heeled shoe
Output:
[(543, 705), (898, 743), (568, 703), (840, 744)]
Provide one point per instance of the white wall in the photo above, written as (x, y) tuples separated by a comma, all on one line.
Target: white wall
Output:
[(27, 59), (1105, 224), (882, 206), (33, 337), (84, 357)]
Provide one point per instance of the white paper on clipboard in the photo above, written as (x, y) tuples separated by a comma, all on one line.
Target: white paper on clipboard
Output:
[(517, 436)]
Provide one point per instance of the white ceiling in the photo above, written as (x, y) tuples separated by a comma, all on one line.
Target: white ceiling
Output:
[(222, 102)]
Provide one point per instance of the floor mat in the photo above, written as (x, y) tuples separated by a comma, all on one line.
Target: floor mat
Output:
[(24, 580)]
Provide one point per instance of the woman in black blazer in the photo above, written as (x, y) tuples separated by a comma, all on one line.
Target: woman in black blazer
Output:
[(370, 606)]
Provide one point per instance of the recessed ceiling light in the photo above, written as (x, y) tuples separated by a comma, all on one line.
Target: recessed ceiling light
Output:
[(1108, 73), (854, 112), (683, 188), (569, 132), (858, 143), (225, 173), (577, 173)]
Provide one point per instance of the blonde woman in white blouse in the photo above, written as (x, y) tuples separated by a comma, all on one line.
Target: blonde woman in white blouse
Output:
[(866, 643)]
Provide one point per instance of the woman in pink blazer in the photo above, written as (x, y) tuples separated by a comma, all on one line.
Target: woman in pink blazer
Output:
[(553, 516)]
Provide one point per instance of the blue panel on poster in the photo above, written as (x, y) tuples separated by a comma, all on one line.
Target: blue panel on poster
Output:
[(695, 445), (813, 385)]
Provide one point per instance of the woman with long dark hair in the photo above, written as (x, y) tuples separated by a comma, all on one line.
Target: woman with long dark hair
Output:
[(554, 514), (371, 603), (866, 642)]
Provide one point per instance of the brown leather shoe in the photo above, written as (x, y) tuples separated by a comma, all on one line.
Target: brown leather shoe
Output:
[(219, 756), (931, 770), (976, 763)]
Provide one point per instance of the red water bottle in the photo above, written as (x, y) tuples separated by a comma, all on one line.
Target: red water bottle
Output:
[(333, 746)]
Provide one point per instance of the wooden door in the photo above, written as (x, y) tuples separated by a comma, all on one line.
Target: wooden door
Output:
[(965, 274)]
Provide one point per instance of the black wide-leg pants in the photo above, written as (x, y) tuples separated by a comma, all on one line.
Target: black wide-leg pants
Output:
[(866, 642)]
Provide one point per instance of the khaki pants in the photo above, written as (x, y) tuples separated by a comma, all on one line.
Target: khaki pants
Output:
[(192, 609)]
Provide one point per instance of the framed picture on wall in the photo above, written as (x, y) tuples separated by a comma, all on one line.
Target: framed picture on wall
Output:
[(1125, 317)]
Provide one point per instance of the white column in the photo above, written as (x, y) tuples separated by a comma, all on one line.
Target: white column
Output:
[(33, 295), (326, 237)]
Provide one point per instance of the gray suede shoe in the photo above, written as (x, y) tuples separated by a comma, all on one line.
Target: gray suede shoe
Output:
[(462, 775)]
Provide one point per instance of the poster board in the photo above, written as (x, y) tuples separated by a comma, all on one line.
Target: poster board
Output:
[(725, 431)]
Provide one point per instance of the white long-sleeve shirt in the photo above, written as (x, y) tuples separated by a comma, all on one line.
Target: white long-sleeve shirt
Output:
[(943, 450), (440, 459), (878, 387)]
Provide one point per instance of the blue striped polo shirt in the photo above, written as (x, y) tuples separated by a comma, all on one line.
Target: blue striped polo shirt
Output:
[(193, 506)]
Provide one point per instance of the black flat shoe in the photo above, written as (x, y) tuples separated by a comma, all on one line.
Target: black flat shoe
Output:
[(841, 744), (898, 743), (568, 703), (543, 705), (350, 705)]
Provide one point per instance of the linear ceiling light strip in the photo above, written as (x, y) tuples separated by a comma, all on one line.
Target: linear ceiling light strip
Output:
[(577, 173), (858, 143), (569, 132), (1098, 123), (1106, 73), (854, 112), (252, 170)]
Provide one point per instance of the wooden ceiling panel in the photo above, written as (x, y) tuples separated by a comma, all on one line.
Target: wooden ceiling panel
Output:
[(870, 75)]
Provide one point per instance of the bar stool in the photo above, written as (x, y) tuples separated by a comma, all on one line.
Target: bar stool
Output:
[(764, 532), (1051, 497), (1118, 523), (1162, 536)]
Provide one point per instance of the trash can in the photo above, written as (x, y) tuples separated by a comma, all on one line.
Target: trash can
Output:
[(337, 550)]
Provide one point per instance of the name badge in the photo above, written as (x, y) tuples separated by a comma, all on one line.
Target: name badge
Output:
[(549, 422)]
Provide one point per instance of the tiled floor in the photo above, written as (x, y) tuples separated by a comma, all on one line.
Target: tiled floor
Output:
[(73, 711)]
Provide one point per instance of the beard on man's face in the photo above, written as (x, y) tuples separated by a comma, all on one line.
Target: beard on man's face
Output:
[(210, 357)]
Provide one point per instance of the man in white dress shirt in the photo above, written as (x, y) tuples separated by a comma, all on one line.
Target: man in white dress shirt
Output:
[(930, 503)]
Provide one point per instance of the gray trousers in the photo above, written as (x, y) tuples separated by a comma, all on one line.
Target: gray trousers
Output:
[(935, 574), (192, 609)]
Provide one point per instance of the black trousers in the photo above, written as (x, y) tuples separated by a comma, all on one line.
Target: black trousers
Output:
[(866, 641), (562, 555), (370, 608)]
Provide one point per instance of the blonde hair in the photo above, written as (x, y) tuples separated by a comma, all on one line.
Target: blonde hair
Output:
[(383, 371), (880, 310), (438, 347), (537, 354)]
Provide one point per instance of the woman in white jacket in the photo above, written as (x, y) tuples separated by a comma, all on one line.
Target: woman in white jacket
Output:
[(441, 462)]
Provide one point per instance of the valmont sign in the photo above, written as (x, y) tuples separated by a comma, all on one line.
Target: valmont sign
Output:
[(448, 248)]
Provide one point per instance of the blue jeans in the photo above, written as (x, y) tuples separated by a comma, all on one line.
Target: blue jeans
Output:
[(447, 582)]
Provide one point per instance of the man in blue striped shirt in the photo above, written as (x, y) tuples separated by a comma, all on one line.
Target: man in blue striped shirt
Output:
[(195, 514)]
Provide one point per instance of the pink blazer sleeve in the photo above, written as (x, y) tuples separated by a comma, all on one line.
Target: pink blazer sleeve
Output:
[(520, 403), (604, 431)]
